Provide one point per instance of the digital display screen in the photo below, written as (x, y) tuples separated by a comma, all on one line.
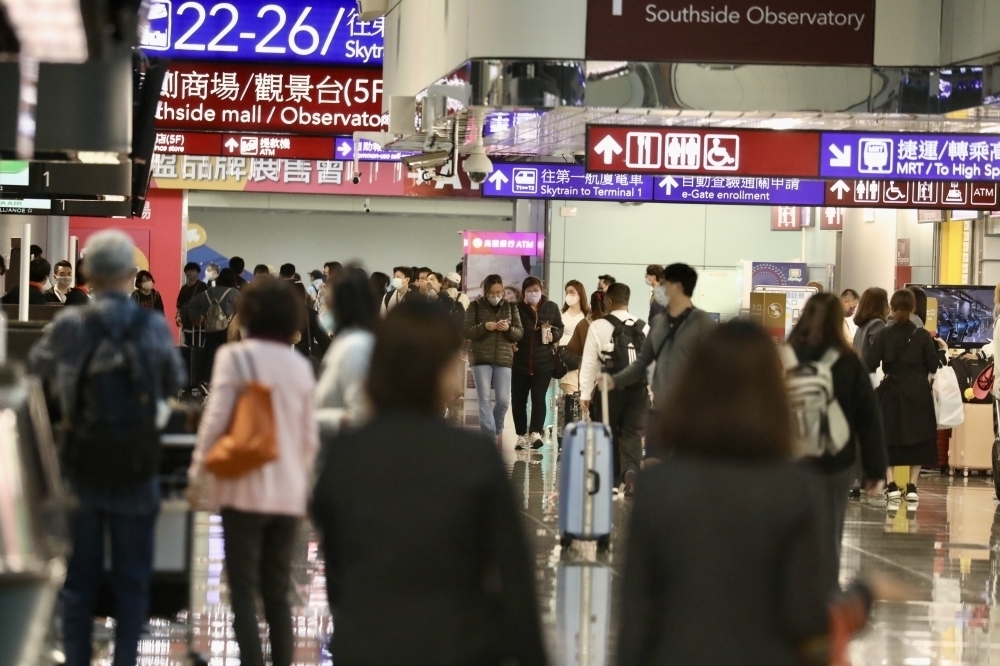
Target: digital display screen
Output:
[(326, 32), (964, 313), (14, 173)]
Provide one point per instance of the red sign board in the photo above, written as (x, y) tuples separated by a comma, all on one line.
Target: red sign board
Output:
[(245, 145), (913, 194), (188, 143), (715, 152), (232, 97), (818, 32), (786, 218), (831, 219)]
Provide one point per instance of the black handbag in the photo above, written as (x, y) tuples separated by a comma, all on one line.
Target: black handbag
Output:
[(559, 368)]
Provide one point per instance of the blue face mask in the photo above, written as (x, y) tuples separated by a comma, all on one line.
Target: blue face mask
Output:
[(327, 321)]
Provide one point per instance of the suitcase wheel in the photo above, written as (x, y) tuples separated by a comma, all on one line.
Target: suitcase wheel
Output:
[(604, 543), (566, 541)]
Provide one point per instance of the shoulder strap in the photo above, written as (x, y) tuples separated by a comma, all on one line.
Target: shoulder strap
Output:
[(829, 358), (614, 321), (671, 332), (789, 359)]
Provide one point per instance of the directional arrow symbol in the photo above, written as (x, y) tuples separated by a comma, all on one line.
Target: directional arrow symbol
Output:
[(498, 179), (344, 149), (232, 144), (668, 184), (840, 188), (608, 147), (841, 157)]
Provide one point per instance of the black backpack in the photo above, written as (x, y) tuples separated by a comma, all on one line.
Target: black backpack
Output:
[(112, 438), (627, 340)]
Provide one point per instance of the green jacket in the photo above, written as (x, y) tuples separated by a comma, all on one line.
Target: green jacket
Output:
[(492, 347)]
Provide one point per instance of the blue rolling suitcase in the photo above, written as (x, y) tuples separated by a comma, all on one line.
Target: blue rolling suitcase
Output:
[(583, 614), (585, 484)]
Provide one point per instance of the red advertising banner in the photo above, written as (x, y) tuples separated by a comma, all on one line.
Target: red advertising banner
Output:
[(818, 32), (913, 194), (717, 152), (233, 97)]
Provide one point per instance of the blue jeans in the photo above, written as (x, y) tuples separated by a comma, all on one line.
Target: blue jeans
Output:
[(491, 417), (131, 524)]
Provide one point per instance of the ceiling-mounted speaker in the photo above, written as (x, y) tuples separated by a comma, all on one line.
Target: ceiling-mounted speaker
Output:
[(369, 10)]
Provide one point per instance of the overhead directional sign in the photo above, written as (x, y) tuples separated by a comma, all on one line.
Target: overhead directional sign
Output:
[(245, 145), (913, 194), (966, 157), (795, 154), (367, 151), (326, 32), (739, 190), (666, 150), (564, 181)]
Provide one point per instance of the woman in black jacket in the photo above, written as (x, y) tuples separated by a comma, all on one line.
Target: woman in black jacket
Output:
[(870, 318), (747, 581), (533, 361), (908, 355), (821, 328), (427, 560)]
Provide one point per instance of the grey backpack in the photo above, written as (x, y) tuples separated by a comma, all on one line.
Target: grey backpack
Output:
[(818, 421)]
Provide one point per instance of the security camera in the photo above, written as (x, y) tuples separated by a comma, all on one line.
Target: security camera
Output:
[(422, 161), (369, 10), (356, 178), (478, 165), (368, 206)]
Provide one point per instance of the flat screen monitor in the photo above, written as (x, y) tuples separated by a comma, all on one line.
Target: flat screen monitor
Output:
[(962, 314)]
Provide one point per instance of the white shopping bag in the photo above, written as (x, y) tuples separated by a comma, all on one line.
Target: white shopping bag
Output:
[(948, 407)]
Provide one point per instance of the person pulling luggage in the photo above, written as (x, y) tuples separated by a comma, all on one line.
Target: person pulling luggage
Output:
[(613, 344)]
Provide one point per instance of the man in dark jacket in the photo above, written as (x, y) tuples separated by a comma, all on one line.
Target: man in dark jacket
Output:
[(38, 273)]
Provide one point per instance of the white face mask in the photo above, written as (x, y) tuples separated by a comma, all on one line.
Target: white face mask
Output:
[(572, 299), (146, 286), (397, 283), (211, 275), (533, 297), (64, 281), (494, 300), (660, 295)]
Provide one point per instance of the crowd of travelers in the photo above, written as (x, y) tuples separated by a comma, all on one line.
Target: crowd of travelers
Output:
[(426, 557)]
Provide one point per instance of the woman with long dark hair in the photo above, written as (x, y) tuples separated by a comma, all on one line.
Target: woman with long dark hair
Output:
[(533, 361), (748, 580), (426, 556), (907, 354), (341, 402), (575, 311), (818, 337)]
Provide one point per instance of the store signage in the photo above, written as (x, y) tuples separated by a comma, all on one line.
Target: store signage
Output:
[(519, 244), (738, 190), (499, 122), (768, 274), (250, 145), (345, 148), (966, 157), (564, 181), (270, 98), (326, 32), (714, 152), (819, 32), (25, 206), (913, 194), (903, 246)]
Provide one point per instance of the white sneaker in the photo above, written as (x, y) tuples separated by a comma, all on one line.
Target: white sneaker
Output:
[(536, 440), (522, 443)]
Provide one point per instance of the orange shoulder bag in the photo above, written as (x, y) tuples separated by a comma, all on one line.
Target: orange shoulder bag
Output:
[(251, 442)]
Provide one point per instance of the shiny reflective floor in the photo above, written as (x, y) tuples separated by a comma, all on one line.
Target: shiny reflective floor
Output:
[(946, 550)]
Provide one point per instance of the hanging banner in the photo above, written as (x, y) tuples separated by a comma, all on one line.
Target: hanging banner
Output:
[(229, 97), (326, 32)]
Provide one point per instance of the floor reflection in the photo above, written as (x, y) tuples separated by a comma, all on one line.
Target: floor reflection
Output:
[(946, 550)]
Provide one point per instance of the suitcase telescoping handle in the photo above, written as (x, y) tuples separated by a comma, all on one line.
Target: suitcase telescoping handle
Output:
[(605, 416)]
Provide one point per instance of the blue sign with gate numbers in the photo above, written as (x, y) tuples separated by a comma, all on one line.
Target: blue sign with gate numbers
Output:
[(954, 157), (324, 32), (564, 181)]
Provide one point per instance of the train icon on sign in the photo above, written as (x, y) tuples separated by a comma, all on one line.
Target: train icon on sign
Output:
[(156, 34), (525, 181), (875, 156)]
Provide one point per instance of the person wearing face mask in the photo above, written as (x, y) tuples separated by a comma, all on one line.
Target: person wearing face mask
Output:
[(453, 285), (63, 277), (494, 327), (434, 290), (575, 312), (654, 276), (144, 293), (401, 276), (850, 299), (534, 362), (211, 274), (671, 340)]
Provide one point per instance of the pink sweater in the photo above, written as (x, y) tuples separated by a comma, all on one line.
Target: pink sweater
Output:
[(280, 487)]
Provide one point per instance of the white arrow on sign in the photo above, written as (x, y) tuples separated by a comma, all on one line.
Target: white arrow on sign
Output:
[(232, 144), (498, 179), (669, 184), (608, 147), (841, 157), (840, 188), (344, 149)]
